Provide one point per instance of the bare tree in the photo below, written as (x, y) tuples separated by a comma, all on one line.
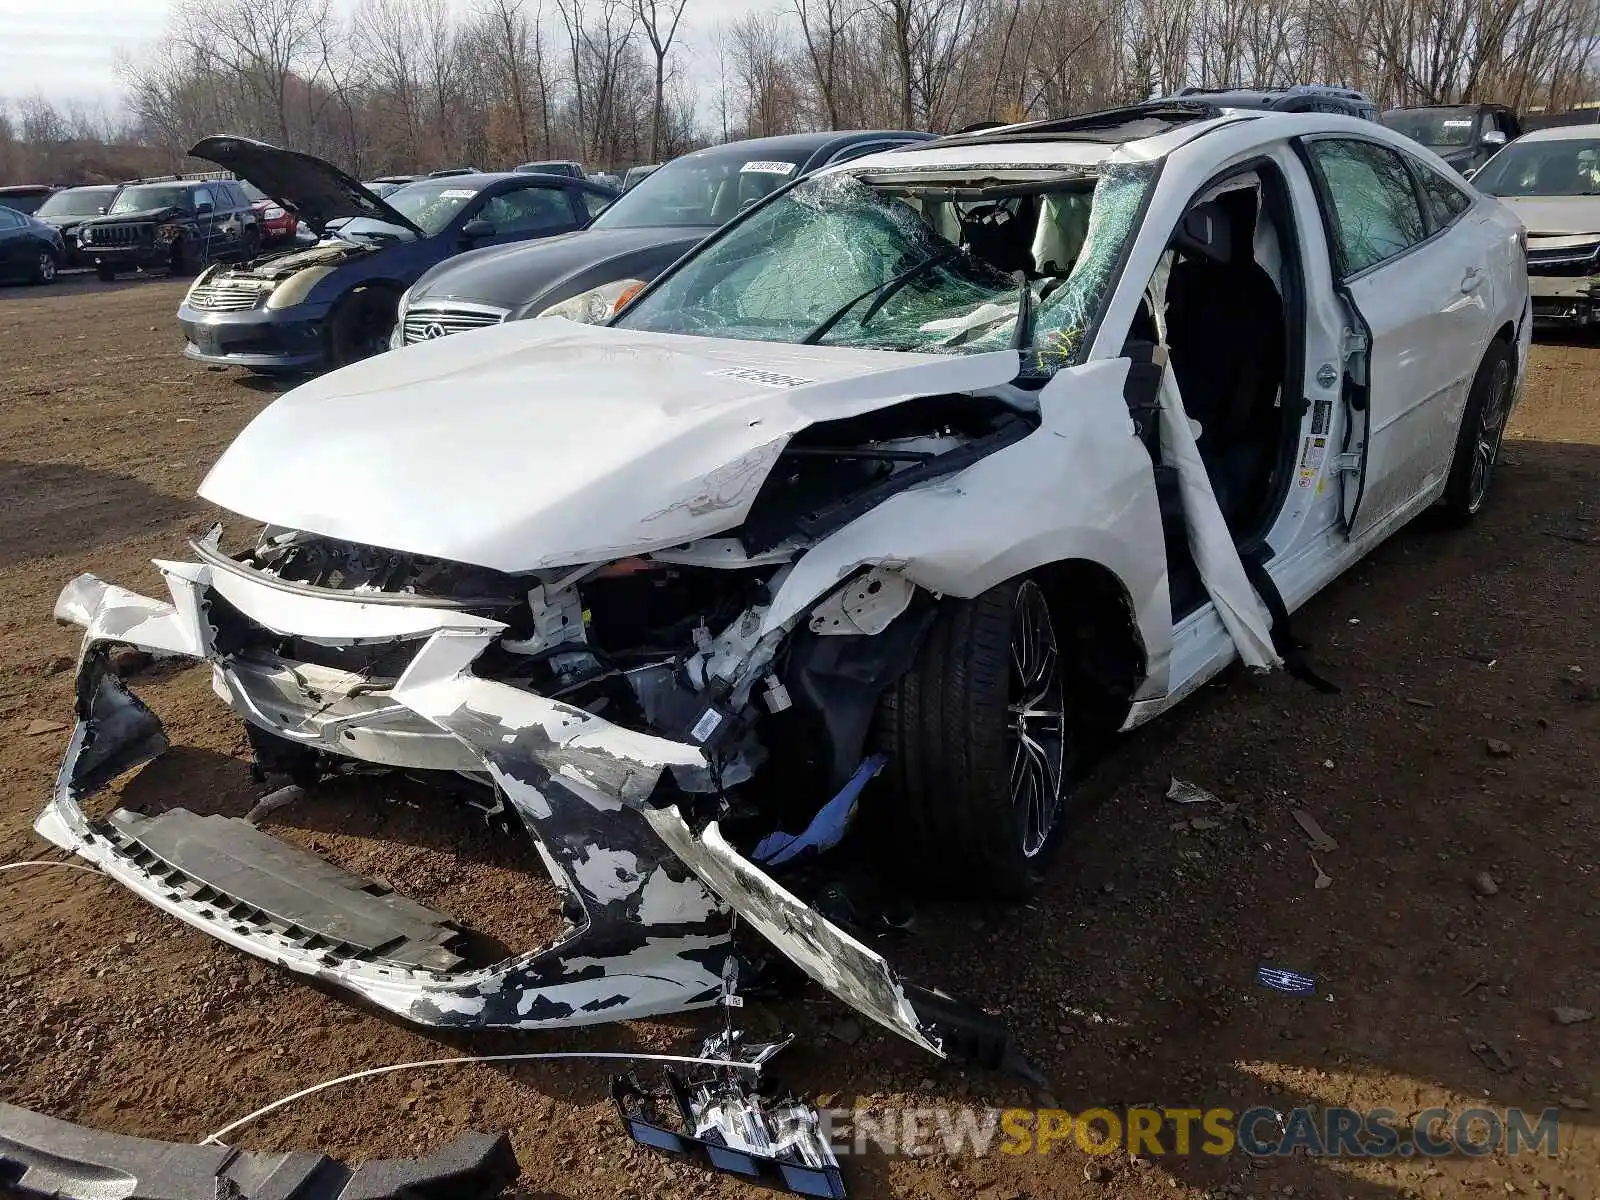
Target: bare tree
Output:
[(659, 20)]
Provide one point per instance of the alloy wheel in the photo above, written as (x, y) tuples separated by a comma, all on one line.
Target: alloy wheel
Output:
[(1491, 430), (47, 267), (1037, 729)]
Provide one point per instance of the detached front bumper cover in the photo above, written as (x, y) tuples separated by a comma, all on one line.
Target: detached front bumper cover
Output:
[(656, 897), (45, 1157)]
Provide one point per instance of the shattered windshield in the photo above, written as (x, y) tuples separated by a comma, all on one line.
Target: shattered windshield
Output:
[(946, 266)]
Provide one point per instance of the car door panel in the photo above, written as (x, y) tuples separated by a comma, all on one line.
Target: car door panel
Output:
[(1420, 299)]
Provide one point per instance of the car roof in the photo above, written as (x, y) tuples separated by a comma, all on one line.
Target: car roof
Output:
[(478, 180), (805, 146), (1124, 132), (25, 189)]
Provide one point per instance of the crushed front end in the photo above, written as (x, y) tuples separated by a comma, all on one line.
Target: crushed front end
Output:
[(267, 314), (609, 709), (1564, 279)]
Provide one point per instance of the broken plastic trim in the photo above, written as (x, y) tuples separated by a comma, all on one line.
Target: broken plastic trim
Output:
[(740, 1131), (653, 938), (47, 1157)]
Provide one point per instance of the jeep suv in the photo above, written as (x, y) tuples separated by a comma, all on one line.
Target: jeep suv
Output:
[(180, 224)]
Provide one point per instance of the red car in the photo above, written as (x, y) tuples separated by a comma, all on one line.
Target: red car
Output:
[(278, 224)]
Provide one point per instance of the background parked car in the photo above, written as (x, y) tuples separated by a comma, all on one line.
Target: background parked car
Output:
[(25, 197), (179, 224), (71, 207), (554, 166), (637, 175), (383, 186), (582, 276), (1302, 97), (30, 249), (335, 302), (1464, 135), (278, 224), (1550, 179)]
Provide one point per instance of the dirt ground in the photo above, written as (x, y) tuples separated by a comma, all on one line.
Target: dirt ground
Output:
[(1466, 739)]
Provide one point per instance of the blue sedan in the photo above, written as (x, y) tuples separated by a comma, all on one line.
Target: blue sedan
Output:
[(333, 303)]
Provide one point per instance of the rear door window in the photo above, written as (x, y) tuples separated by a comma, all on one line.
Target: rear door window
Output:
[(1443, 199), (1376, 212)]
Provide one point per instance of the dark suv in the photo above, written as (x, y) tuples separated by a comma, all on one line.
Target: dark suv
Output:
[(1302, 97), (180, 224)]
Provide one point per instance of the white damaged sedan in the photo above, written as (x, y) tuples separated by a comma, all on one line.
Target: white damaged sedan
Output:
[(873, 514)]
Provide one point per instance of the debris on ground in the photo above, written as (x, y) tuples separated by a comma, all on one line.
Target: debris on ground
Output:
[(1314, 833), (1323, 879), (1181, 791), (1483, 883), (38, 727), (273, 801), (846, 1029), (1291, 982), (1489, 1051), (1570, 1016), (1497, 748)]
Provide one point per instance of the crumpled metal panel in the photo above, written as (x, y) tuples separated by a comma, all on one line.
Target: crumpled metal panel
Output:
[(46, 1157)]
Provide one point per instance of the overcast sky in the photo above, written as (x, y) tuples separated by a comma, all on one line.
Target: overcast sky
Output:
[(66, 49)]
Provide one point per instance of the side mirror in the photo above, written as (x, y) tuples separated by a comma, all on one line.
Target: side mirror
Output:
[(204, 206), (477, 228), (1469, 173), (1493, 137), (101, 211)]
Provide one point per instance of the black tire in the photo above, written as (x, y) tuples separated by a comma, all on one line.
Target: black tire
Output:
[(105, 271), (187, 258), (1483, 427), (361, 324), (46, 268), (953, 807), (252, 244)]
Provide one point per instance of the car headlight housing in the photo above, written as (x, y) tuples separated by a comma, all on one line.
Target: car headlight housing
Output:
[(167, 234), (297, 287), (597, 304), (272, 213)]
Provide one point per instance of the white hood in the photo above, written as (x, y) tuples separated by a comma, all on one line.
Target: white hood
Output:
[(1542, 215), (541, 443)]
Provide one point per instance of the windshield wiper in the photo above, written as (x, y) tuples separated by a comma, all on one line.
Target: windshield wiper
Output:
[(888, 287)]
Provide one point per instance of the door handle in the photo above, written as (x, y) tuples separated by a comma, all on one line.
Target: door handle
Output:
[(1471, 280)]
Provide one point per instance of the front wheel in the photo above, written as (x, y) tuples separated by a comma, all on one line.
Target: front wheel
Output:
[(44, 270), (105, 272), (1483, 427), (187, 258), (981, 746), (360, 326)]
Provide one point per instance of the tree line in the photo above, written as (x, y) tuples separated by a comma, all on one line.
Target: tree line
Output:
[(405, 85)]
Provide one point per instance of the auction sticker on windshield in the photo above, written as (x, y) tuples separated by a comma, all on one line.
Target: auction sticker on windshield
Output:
[(457, 194), (769, 168)]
